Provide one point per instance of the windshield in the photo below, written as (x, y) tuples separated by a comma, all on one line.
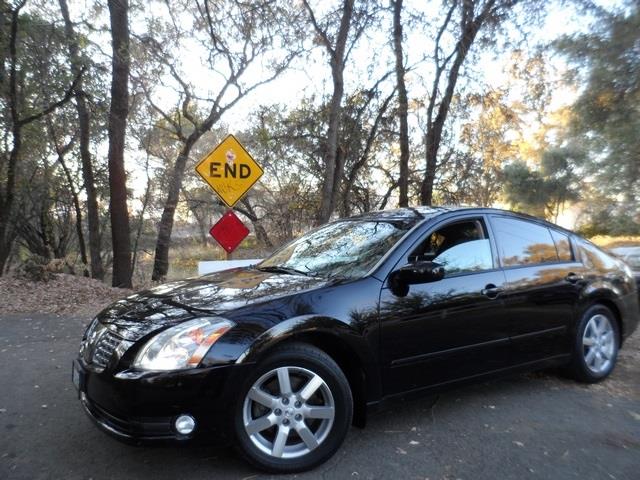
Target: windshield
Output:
[(346, 249)]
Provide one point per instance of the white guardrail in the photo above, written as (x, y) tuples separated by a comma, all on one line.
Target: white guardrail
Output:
[(219, 265)]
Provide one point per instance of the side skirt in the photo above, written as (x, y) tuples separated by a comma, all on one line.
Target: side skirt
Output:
[(554, 361)]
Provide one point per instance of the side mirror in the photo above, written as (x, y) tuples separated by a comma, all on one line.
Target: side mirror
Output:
[(419, 272)]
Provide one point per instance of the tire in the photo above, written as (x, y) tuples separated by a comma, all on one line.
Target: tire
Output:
[(595, 346), (312, 411)]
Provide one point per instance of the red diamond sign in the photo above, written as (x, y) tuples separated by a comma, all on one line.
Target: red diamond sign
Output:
[(229, 231)]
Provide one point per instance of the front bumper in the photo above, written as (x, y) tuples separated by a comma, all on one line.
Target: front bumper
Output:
[(130, 429), (142, 406)]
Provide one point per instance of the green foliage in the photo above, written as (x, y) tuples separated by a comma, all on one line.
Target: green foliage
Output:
[(543, 192), (606, 115)]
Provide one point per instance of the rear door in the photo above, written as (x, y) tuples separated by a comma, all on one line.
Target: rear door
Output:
[(541, 289)]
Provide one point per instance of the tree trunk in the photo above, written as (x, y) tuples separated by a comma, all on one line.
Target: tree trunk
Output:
[(118, 13), (6, 201), (327, 199), (93, 215), (261, 233), (333, 164), (469, 27), (165, 227), (403, 105), (78, 211), (145, 204)]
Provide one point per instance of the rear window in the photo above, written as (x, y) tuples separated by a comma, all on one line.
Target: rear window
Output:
[(593, 257), (523, 243)]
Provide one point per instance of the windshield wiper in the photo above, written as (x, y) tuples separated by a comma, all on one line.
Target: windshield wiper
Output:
[(283, 269)]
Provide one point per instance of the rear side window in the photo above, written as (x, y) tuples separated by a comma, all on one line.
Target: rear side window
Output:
[(563, 246), (523, 243)]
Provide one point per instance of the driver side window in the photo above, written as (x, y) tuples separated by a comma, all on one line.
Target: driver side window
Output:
[(460, 247)]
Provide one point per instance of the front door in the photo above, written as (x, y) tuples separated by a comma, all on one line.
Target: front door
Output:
[(448, 329)]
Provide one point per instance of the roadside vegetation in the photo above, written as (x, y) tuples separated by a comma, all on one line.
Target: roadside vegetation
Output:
[(349, 106)]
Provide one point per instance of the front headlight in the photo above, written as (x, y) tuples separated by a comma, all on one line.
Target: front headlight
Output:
[(182, 346)]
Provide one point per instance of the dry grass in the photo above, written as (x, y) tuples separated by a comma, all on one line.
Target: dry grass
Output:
[(184, 258), (607, 241)]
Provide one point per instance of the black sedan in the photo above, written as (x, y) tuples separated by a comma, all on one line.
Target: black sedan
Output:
[(282, 357)]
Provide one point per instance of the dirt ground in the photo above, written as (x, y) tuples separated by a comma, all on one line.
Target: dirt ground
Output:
[(62, 295)]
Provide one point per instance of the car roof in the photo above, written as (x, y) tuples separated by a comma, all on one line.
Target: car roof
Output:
[(421, 213), (408, 213)]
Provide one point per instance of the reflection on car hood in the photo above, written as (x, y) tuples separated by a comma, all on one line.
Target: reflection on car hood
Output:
[(216, 293)]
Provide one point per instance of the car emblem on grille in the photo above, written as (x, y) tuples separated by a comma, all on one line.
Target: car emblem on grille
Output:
[(99, 345)]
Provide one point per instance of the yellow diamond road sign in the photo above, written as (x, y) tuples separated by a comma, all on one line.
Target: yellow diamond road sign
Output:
[(229, 170)]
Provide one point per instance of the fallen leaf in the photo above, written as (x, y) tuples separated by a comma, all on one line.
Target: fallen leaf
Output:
[(636, 416)]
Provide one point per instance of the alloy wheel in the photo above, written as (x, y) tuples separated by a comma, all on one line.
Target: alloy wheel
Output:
[(598, 343), (288, 412)]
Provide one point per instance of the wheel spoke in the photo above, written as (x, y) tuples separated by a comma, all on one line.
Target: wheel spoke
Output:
[(311, 387), (280, 441), (262, 397), (590, 355), (319, 412), (588, 341), (284, 381), (259, 424), (598, 362), (597, 322), (307, 436)]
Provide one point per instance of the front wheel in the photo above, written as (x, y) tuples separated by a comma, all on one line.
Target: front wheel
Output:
[(294, 411), (596, 345)]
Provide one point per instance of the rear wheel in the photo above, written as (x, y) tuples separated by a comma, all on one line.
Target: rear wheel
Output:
[(294, 411), (596, 345)]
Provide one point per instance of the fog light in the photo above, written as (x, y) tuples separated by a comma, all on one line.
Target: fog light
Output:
[(185, 424)]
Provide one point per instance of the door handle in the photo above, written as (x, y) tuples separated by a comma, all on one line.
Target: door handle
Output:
[(491, 291), (573, 278)]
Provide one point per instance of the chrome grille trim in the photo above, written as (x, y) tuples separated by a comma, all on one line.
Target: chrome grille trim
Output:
[(104, 348)]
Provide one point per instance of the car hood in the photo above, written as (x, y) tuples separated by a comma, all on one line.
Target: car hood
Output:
[(213, 294)]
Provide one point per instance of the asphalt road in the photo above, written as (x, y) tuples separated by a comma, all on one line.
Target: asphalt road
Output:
[(527, 427)]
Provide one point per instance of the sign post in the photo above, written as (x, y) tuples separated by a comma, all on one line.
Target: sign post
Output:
[(231, 172)]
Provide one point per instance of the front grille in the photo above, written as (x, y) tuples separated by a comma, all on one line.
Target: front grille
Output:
[(99, 345), (104, 348)]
